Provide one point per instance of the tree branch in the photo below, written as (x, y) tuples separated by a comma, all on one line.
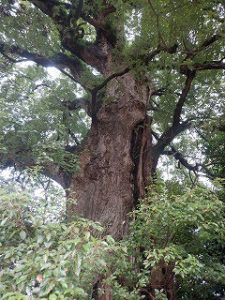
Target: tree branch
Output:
[(176, 128), (183, 97), (91, 53), (114, 75), (161, 48), (205, 44), (148, 58), (165, 139), (59, 61), (12, 60), (191, 53), (22, 159), (208, 42), (183, 161), (210, 65), (53, 9)]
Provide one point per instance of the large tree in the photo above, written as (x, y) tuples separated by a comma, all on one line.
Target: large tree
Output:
[(146, 72)]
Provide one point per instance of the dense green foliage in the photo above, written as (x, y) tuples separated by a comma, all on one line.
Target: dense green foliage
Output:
[(63, 260), (34, 124), (33, 117)]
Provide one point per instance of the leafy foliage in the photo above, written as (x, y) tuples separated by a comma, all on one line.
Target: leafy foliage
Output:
[(55, 256), (35, 125), (183, 230), (64, 260)]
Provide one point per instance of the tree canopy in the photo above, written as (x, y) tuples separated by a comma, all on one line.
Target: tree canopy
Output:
[(178, 45)]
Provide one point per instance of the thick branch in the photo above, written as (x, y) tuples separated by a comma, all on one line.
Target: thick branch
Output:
[(59, 61), (167, 137), (52, 9), (23, 159), (208, 42), (211, 65), (90, 53), (12, 60), (99, 22), (89, 104)]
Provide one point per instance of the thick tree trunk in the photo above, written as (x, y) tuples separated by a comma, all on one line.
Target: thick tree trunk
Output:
[(115, 161)]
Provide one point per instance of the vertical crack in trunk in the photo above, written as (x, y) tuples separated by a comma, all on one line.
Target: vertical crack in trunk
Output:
[(141, 157)]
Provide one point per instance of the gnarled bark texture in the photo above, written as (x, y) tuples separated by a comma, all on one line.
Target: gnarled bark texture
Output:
[(115, 161)]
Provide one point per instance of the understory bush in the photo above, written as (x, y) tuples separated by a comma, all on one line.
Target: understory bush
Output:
[(64, 260)]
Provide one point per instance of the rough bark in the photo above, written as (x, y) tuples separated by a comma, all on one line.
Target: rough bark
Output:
[(115, 164)]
